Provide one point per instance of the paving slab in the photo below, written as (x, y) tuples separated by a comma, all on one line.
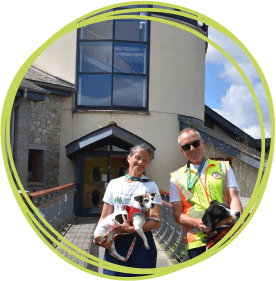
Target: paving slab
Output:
[(81, 235)]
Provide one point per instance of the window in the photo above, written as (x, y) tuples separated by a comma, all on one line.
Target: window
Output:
[(96, 174), (122, 171), (33, 165), (112, 65)]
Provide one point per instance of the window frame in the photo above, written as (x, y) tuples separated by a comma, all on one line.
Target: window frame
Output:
[(113, 73), (36, 152)]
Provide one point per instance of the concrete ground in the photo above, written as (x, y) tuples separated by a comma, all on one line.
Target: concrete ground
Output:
[(81, 235)]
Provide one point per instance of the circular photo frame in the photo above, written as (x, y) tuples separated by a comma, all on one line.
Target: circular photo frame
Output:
[(170, 15)]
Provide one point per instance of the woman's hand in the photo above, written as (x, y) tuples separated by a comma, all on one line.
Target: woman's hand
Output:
[(107, 210), (103, 243), (124, 227)]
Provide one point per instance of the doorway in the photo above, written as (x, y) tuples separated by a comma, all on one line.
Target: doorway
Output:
[(97, 170)]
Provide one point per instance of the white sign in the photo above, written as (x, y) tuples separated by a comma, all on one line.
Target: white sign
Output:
[(104, 177)]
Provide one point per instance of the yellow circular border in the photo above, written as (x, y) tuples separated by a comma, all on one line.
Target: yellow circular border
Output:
[(5, 129)]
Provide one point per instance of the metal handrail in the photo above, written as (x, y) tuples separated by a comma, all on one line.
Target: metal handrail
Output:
[(170, 234), (55, 205)]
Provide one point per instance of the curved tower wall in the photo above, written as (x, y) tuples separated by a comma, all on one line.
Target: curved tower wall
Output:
[(176, 86)]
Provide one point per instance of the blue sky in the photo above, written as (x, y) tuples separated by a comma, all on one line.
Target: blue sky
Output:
[(214, 86), (227, 93)]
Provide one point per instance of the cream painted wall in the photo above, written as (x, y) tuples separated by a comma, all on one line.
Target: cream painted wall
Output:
[(177, 71), (177, 78), (177, 68), (159, 129), (59, 59)]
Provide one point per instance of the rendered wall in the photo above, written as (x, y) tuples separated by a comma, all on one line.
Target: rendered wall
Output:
[(59, 59), (176, 86), (177, 71)]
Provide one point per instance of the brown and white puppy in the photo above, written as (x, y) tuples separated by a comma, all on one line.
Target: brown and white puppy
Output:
[(138, 219), (218, 217)]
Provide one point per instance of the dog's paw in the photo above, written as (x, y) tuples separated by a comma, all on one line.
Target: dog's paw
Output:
[(148, 248)]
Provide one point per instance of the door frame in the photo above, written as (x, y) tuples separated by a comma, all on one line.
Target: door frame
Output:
[(79, 178)]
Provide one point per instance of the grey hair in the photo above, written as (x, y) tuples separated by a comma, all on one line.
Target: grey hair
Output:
[(186, 130), (141, 147)]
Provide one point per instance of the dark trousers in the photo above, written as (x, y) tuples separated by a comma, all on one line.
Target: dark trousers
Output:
[(139, 258), (196, 252)]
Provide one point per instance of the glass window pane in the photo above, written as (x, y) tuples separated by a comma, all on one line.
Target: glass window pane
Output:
[(96, 174), (94, 89), (97, 31), (129, 91), (130, 58), (133, 30), (32, 165), (95, 57)]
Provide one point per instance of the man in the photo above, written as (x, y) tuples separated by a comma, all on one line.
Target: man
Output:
[(195, 185)]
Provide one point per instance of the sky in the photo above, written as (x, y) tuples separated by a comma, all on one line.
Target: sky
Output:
[(227, 93)]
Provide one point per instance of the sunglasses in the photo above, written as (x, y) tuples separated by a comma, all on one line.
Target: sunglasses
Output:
[(187, 147)]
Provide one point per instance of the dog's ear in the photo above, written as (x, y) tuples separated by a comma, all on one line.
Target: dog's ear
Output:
[(207, 220), (214, 201), (139, 198)]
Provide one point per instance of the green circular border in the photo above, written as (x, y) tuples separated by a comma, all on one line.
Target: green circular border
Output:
[(204, 19)]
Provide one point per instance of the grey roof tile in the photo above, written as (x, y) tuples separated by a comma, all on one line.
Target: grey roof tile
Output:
[(34, 74), (224, 138)]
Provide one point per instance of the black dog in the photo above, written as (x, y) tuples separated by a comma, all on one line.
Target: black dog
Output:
[(218, 217)]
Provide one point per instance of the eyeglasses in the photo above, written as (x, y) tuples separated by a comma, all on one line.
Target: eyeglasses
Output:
[(187, 147)]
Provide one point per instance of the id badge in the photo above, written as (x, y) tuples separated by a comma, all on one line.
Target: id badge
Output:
[(188, 194)]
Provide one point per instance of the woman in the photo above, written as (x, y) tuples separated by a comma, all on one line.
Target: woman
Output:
[(119, 193)]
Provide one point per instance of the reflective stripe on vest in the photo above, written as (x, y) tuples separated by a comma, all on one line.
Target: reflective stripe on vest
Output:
[(215, 189)]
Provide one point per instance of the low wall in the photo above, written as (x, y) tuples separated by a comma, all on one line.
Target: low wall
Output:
[(55, 206)]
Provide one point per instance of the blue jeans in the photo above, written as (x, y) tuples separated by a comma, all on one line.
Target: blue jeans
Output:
[(139, 258)]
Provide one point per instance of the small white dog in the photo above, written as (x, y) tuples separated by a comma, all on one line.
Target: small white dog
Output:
[(136, 216)]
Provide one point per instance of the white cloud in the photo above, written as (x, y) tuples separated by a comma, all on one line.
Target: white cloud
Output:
[(237, 103), (254, 131)]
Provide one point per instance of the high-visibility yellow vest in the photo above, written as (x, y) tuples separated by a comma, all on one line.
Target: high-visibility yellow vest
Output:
[(215, 188)]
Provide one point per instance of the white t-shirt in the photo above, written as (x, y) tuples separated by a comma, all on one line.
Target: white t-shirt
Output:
[(174, 191), (120, 193)]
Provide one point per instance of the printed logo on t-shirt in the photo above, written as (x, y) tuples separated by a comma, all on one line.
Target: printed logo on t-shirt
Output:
[(118, 199), (216, 175)]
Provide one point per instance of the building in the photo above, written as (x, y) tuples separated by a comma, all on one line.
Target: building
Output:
[(99, 90)]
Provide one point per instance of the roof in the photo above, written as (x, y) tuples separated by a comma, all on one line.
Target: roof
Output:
[(38, 83), (232, 130), (34, 74), (222, 141), (111, 134)]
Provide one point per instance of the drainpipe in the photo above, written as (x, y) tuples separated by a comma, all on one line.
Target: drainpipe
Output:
[(13, 117)]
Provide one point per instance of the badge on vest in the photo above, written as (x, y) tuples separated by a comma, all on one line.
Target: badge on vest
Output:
[(216, 175), (188, 194)]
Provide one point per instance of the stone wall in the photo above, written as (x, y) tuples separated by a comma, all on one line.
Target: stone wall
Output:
[(37, 127), (21, 140)]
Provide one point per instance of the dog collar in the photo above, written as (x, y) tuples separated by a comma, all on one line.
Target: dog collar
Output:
[(136, 179)]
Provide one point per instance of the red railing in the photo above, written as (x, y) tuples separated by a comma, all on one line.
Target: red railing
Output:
[(39, 194)]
